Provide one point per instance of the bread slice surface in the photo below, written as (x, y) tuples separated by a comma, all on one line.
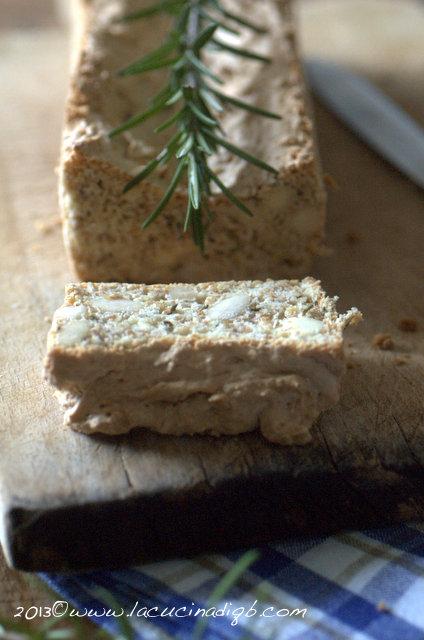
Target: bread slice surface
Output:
[(217, 358)]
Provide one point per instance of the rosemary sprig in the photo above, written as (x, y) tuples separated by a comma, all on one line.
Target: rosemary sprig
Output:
[(191, 86)]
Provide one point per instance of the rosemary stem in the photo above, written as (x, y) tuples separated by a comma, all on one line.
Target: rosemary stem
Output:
[(193, 23), (193, 80), (193, 29)]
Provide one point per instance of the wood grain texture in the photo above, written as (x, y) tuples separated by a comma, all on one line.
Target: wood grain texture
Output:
[(17, 590), (70, 501)]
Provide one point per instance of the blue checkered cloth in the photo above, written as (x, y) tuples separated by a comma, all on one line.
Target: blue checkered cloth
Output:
[(358, 586)]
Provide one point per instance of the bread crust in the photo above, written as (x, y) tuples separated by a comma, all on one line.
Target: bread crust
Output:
[(102, 226)]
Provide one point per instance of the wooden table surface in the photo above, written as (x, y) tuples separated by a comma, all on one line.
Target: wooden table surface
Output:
[(364, 33), (22, 19)]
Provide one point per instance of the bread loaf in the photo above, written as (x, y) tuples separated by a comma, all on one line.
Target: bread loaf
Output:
[(102, 226)]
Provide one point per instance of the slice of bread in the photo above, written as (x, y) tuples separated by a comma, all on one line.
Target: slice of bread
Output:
[(216, 358), (102, 226)]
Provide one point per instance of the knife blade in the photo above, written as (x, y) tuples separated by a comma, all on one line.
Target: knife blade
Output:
[(377, 120)]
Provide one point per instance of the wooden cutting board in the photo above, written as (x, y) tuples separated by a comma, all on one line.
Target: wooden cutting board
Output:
[(70, 501)]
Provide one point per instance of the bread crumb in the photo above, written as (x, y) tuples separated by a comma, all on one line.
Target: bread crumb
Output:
[(351, 365), (352, 237), (409, 325), (162, 171), (383, 341), (331, 182), (47, 226), (383, 607)]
